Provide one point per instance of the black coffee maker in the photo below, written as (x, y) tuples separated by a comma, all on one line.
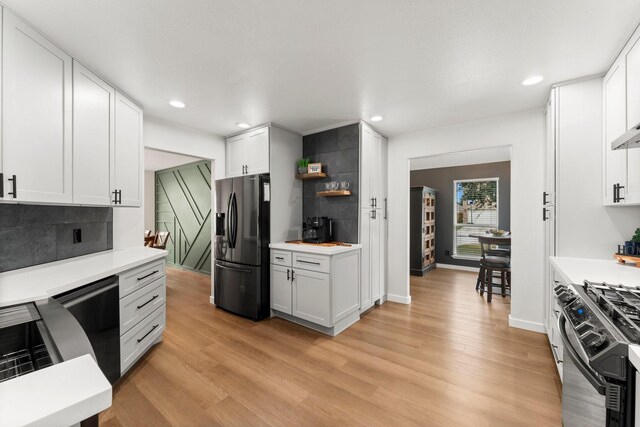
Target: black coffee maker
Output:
[(317, 229)]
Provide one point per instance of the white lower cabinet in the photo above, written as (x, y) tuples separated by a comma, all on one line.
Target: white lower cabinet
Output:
[(142, 310), (281, 298), (312, 296), (319, 291), (553, 313)]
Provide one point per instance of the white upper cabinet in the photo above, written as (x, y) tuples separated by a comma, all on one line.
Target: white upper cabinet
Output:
[(248, 153), (615, 124), (549, 192), (127, 153), (371, 169), (36, 116), (632, 193), (93, 137)]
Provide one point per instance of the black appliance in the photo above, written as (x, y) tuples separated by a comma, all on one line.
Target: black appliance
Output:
[(597, 323), (241, 247), (96, 307), (317, 229)]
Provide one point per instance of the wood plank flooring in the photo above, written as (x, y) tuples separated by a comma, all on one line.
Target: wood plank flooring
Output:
[(448, 359)]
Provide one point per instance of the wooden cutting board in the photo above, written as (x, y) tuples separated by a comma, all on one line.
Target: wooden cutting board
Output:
[(327, 245)]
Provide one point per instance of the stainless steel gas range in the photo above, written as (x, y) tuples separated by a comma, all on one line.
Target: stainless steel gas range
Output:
[(597, 323)]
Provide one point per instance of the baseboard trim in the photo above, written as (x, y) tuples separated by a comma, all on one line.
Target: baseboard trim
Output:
[(527, 325), (211, 300), (399, 298), (457, 267)]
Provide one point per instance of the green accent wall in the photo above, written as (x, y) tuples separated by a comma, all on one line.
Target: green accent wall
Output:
[(183, 207)]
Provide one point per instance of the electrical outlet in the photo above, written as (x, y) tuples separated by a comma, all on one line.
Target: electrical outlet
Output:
[(77, 235), (447, 252)]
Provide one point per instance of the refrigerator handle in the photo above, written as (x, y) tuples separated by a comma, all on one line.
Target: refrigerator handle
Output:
[(234, 207), (229, 221)]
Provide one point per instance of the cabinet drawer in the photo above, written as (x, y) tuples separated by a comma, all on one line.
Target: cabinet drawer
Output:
[(136, 278), (312, 262), (139, 338), (137, 305), (281, 258)]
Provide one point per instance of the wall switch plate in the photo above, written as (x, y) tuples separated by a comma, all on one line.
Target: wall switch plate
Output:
[(77, 235)]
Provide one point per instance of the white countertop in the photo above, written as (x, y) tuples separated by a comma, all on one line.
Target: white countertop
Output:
[(314, 249), (45, 280), (577, 270), (60, 395)]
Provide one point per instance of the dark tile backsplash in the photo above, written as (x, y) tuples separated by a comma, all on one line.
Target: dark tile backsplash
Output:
[(338, 151), (31, 234)]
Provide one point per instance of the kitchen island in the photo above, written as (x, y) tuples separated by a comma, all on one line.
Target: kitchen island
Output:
[(316, 286)]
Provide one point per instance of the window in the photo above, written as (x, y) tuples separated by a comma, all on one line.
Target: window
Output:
[(476, 211)]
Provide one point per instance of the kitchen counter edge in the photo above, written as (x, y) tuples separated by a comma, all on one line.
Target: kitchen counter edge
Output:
[(312, 249), (46, 280)]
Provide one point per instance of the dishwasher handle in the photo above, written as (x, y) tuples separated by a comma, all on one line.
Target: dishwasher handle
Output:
[(77, 296)]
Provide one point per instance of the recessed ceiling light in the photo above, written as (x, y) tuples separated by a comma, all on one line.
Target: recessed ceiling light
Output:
[(177, 104), (376, 118), (243, 125), (532, 80)]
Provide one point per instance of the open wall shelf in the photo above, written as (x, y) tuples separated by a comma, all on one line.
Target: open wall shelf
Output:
[(333, 193)]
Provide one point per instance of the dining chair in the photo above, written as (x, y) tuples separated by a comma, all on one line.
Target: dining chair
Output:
[(495, 258)]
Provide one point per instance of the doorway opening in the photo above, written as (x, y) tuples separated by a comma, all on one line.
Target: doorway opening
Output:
[(456, 201), (178, 208)]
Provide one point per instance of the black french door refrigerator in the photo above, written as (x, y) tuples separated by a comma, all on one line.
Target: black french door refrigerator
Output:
[(241, 247)]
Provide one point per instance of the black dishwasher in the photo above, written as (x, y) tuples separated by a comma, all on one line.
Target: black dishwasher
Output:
[(96, 307)]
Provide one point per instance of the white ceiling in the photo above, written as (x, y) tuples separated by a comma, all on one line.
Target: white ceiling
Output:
[(155, 160), (462, 158), (310, 64)]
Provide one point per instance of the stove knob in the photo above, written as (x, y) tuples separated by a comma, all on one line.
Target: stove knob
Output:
[(598, 340)]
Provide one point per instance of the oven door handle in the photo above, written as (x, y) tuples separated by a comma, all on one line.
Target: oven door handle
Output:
[(577, 360)]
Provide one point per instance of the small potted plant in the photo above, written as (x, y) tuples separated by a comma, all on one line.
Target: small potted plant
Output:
[(302, 166), (636, 242)]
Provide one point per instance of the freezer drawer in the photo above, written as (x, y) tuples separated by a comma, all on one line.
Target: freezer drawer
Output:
[(239, 289)]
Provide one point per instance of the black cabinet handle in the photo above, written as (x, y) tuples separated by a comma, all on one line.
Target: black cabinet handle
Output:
[(154, 297), (544, 198), (308, 262), (280, 258), (115, 197), (554, 346), (385, 208), (145, 335), (292, 276), (544, 214), (559, 362), (1, 184), (14, 180), (150, 274), (619, 188), (288, 276), (119, 197)]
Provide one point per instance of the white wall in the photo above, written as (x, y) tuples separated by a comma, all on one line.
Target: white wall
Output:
[(129, 223), (522, 131), (149, 200), (585, 228)]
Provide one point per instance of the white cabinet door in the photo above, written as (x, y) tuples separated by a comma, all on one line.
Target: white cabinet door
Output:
[(127, 152), (548, 198), (281, 292), (383, 215), (36, 115), (366, 159), (258, 151), (312, 296), (615, 124), (93, 137), (633, 119), (237, 155), (376, 254), (366, 293)]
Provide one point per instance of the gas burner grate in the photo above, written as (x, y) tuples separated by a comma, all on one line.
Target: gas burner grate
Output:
[(22, 362)]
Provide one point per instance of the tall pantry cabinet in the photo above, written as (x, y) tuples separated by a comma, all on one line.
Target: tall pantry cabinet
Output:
[(373, 216)]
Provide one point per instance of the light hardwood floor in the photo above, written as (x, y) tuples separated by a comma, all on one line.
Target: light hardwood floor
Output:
[(447, 359)]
